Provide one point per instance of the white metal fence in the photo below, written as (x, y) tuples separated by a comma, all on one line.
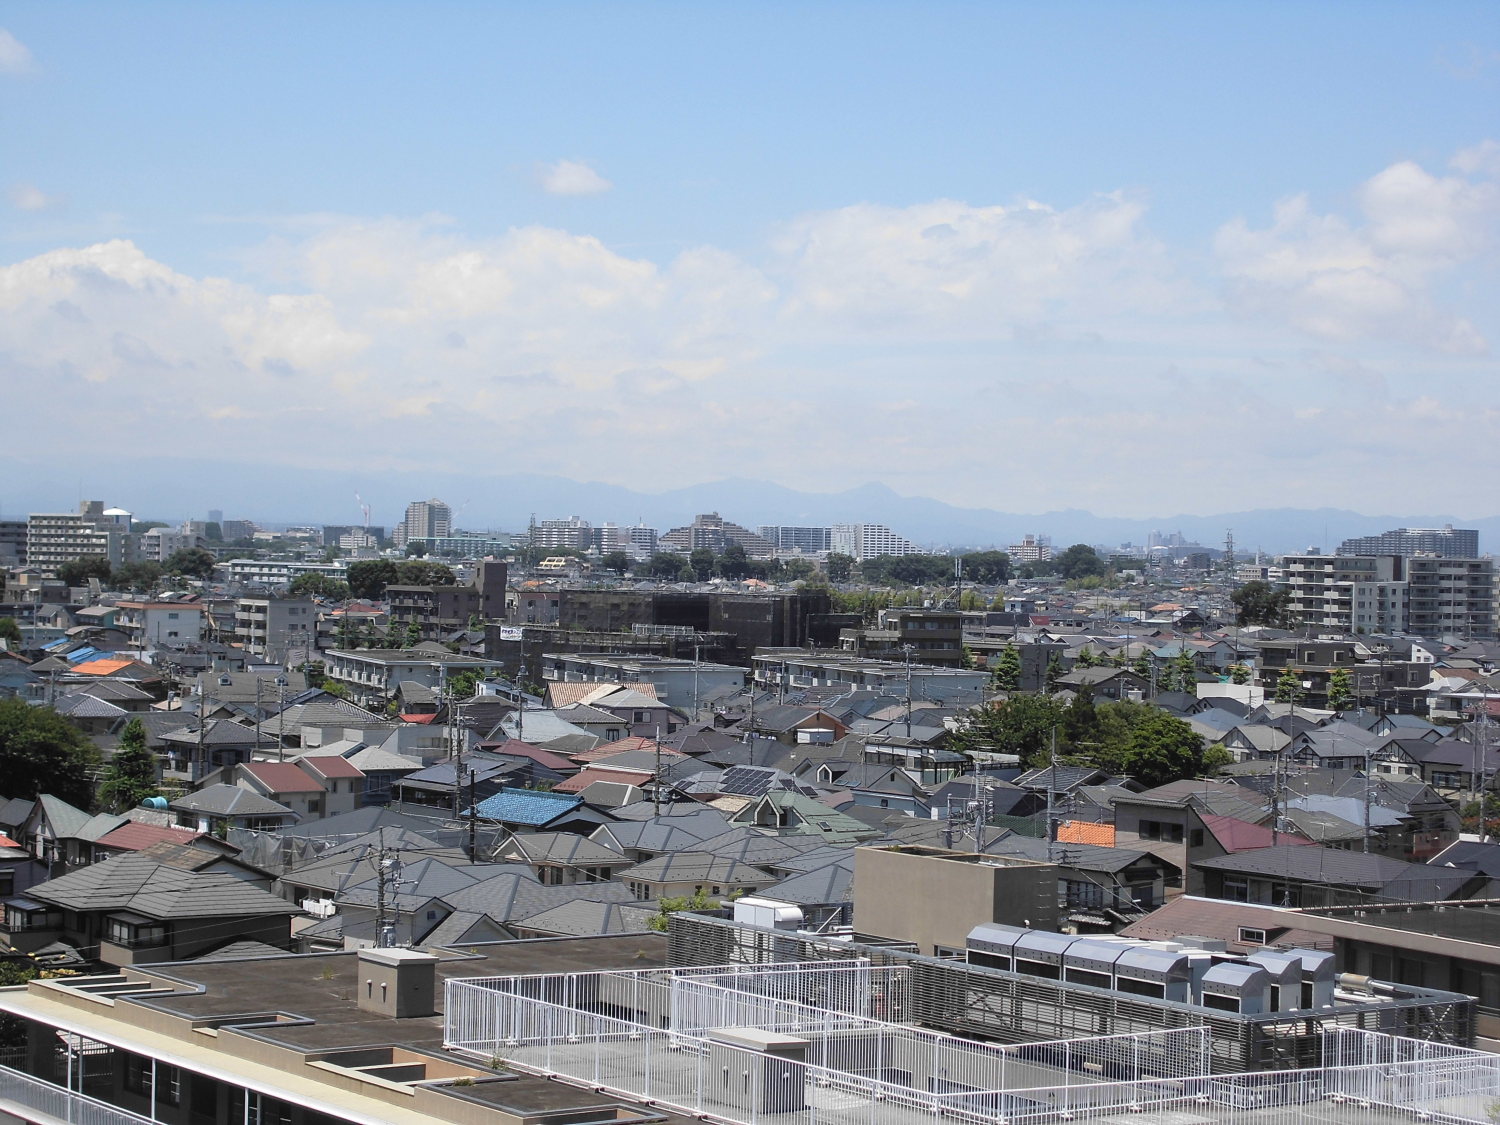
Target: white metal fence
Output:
[(27, 1092)]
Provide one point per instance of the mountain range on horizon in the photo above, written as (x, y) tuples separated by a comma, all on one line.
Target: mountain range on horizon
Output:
[(174, 490)]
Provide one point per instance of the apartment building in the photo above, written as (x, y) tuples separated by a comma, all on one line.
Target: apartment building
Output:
[(798, 540), (1446, 542), (439, 610), (791, 670), (1451, 597), (1031, 549), (1428, 595), (425, 519), (868, 540), (270, 626), (712, 532), (156, 623), (53, 538)]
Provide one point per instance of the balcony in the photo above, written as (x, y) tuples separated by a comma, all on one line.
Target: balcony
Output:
[(51, 1102)]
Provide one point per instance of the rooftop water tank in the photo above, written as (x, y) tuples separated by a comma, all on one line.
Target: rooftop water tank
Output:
[(159, 803)]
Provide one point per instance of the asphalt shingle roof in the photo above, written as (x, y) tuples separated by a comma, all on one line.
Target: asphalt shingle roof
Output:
[(140, 884)]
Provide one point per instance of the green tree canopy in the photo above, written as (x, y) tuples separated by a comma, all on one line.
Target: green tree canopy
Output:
[(141, 576), (1079, 561), (368, 579), (77, 572), (733, 563), (1021, 725), (907, 570), (314, 584), (1007, 673), (40, 752), (839, 566), (1260, 603), (617, 561), (665, 565), (415, 572), (989, 568), (130, 776), (703, 563), (1288, 686), (10, 632), (194, 562), (1340, 690)]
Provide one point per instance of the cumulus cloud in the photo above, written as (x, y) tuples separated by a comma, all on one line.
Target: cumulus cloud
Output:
[(1342, 280), (14, 57), (29, 197), (948, 265), (572, 177)]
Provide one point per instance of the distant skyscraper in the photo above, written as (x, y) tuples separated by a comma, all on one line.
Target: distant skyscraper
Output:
[(867, 540), (216, 515), (1031, 548), (1446, 542), (809, 540)]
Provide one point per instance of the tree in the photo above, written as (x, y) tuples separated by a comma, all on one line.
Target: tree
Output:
[(40, 752), (213, 532), (1022, 725), (733, 563), (665, 565), (130, 776), (617, 561), (1340, 690), (413, 634), (1141, 666), (1288, 686), (416, 550), (369, 579), (1260, 603), (1054, 672), (194, 562), (1185, 672), (10, 633), (1079, 561), (1239, 674), (313, 584), (797, 570), (1162, 748), (702, 561), (1086, 658), (840, 567), (77, 572), (142, 576), (1007, 673), (989, 568), (414, 572)]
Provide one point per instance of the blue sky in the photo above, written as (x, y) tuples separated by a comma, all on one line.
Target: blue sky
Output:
[(1127, 257)]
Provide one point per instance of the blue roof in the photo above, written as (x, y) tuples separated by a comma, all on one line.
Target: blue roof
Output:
[(533, 807), (82, 654)]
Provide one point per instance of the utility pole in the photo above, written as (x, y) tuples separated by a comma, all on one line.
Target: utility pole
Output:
[(473, 817), (656, 778), (1052, 796), (907, 650)]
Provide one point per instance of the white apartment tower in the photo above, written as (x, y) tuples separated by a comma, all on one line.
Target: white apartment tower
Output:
[(425, 519), (867, 540)]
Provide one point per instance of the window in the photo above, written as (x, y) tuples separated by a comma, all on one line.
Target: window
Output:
[(1250, 935)]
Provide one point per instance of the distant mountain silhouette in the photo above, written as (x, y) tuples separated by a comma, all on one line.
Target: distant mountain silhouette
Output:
[(177, 489)]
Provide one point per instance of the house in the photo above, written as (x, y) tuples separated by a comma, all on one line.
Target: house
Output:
[(134, 910), (685, 874), (1102, 682), (560, 858), (1291, 875), (537, 810), (230, 806), (289, 785)]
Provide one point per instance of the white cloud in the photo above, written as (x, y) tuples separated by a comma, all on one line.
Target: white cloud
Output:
[(940, 347), (29, 197), (1345, 281), (572, 177), (949, 266), (14, 57)]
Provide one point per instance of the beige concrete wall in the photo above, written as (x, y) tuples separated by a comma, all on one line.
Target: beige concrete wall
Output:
[(934, 898)]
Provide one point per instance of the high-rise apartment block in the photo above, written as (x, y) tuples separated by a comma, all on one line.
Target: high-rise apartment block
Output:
[(803, 540), (711, 532), (425, 519), (1448, 542), (1426, 595), (572, 533), (867, 540)]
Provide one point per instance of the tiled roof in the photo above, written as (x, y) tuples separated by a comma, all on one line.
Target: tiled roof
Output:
[(139, 884), (1086, 832), (1213, 918), (584, 778), (229, 800), (527, 806), (282, 777), (133, 836), (1235, 835)]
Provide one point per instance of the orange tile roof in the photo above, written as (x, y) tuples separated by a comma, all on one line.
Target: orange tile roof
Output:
[(104, 666), (1086, 832)]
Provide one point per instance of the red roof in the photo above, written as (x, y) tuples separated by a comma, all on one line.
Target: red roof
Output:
[(1235, 835), (620, 745), (282, 777), (330, 765), (7, 842), (518, 749), (422, 719), (134, 836)]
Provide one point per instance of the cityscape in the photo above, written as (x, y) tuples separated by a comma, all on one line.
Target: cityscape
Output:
[(814, 565)]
